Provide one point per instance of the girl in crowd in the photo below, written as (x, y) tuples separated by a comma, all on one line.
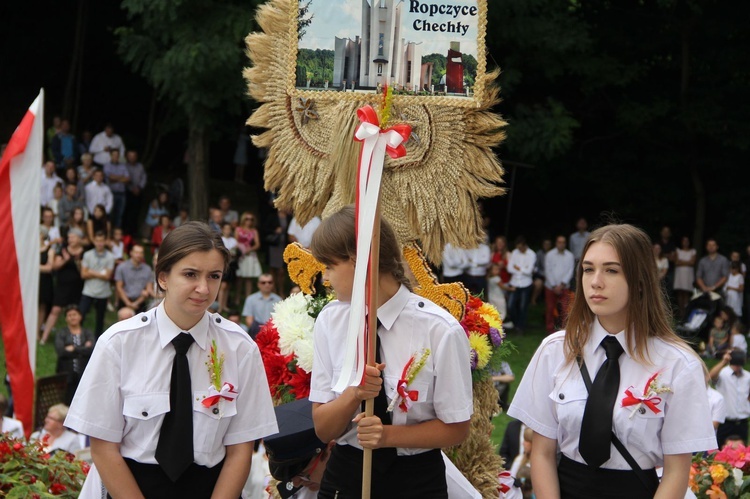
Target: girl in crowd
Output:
[(68, 285), (99, 222), (156, 208), (644, 409), (77, 220), (406, 460), (248, 244), (74, 345), (684, 274), (186, 392)]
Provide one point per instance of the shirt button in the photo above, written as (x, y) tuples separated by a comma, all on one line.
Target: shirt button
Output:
[(641, 411), (420, 304), (144, 414), (216, 410), (218, 320), (144, 319), (561, 396)]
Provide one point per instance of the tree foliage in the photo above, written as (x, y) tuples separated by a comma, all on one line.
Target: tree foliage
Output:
[(304, 18), (315, 65)]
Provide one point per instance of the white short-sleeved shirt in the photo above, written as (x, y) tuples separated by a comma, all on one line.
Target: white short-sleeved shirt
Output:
[(304, 234), (123, 395), (12, 426), (736, 390), (716, 403), (410, 324), (552, 396), (739, 341)]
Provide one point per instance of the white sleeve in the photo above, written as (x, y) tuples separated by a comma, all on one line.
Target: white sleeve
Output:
[(453, 398), (255, 415), (719, 410), (322, 371), (97, 406), (687, 417), (532, 403)]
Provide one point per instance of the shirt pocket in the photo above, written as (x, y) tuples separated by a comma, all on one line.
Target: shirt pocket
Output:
[(569, 403), (645, 426), (144, 414), (398, 417), (211, 423)]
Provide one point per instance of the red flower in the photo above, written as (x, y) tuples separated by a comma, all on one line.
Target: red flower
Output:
[(475, 322), (473, 303), (277, 371), (17, 446), (268, 339), (57, 488), (300, 383)]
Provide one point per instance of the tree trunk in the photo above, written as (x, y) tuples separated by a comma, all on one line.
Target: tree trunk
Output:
[(70, 101), (197, 180)]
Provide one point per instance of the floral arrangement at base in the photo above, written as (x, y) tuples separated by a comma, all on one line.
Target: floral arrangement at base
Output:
[(721, 474), (484, 327), (27, 471), (286, 346)]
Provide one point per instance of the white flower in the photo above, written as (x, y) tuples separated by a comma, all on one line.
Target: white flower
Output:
[(737, 475), (295, 326), (304, 351)]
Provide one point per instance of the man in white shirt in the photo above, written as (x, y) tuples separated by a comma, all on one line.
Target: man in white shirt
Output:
[(733, 382), (300, 234), (455, 263), (559, 265), (103, 143), (97, 192), (49, 181), (476, 272), (578, 238), (521, 267)]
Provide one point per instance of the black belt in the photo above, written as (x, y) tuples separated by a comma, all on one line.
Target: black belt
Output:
[(580, 481), (740, 420)]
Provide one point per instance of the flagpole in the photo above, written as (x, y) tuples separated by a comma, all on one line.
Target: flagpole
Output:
[(373, 279)]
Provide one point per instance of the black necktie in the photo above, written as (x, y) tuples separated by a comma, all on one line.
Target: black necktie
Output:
[(382, 458), (174, 452), (596, 427)]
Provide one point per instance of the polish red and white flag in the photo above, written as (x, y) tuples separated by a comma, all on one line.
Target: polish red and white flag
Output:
[(20, 186)]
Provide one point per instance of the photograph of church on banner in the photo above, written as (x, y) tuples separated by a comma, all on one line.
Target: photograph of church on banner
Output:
[(416, 47)]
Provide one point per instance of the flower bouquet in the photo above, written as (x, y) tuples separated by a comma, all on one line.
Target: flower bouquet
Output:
[(286, 346), (721, 474), (484, 327), (27, 471)]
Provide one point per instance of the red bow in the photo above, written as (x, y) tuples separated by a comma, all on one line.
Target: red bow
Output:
[(395, 135), (650, 402), (406, 395), (227, 393), (504, 478)]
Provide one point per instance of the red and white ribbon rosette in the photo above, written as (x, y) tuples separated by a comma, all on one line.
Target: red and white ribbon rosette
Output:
[(649, 398), (404, 397), (376, 143), (227, 392)]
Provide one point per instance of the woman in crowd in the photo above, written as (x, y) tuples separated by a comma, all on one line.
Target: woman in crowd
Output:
[(643, 410), (163, 429), (98, 222), (77, 220), (74, 345), (69, 285), (160, 232), (53, 435), (684, 274), (406, 443), (248, 244), (46, 282), (662, 263)]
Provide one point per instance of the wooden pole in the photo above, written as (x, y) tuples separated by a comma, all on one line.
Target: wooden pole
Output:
[(373, 279)]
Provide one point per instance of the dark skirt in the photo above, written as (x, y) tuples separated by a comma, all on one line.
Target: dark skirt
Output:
[(580, 481), (393, 477)]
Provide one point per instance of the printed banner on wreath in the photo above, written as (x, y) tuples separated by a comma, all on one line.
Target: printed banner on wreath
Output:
[(419, 48)]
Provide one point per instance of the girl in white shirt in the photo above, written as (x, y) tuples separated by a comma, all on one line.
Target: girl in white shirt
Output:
[(406, 443), (126, 397), (660, 412)]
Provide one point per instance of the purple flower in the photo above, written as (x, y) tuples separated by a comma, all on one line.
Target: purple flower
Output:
[(474, 359), (495, 337)]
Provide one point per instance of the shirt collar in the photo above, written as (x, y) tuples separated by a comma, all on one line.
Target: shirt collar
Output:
[(390, 310), (598, 333), (168, 330)]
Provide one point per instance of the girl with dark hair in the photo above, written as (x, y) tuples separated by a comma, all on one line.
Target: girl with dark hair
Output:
[(407, 437), (173, 398), (74, 344), (618, 393), (99, 222)]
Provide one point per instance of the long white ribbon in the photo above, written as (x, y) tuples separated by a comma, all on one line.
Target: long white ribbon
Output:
[(370, 176)]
